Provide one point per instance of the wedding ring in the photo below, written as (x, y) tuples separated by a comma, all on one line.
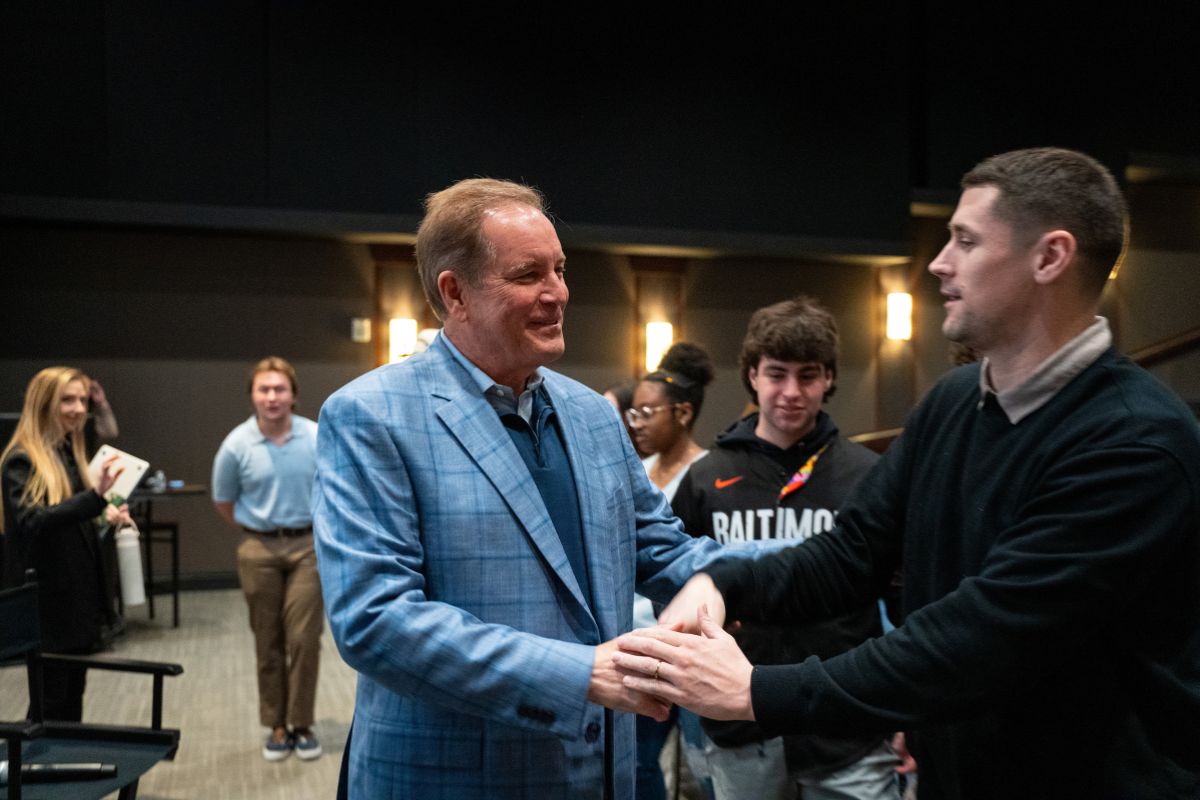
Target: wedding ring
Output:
[(657, 667)]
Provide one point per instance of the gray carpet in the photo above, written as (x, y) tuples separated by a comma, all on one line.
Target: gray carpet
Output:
[(214, 704)]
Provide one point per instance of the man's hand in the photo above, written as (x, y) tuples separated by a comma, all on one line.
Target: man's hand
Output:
[(908, 764), (706, 674), (608, 689), (697, 592), (225, 509)]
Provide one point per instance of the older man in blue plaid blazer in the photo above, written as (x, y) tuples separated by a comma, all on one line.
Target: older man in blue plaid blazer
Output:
[(481, 523)]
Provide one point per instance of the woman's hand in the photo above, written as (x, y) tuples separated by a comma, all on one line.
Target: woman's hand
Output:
[(107, 476), (116, 517)]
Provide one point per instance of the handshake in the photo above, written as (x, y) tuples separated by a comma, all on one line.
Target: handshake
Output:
[(688, 660)]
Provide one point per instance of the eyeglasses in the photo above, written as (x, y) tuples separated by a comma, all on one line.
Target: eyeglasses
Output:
[(636, 415)]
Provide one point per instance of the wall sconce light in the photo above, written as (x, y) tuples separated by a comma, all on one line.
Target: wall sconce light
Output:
[(899, 316), (402, 338), (659, 336)]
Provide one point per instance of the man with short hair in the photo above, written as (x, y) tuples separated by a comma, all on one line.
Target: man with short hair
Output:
[(782, 473), (481, 522), (262, 484), (1047, 506)]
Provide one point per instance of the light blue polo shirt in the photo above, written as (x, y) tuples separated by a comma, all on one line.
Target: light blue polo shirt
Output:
[(269, 485)]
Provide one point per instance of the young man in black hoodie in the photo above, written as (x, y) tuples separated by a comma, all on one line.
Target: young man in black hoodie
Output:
[(1046, 502), (782, 473)]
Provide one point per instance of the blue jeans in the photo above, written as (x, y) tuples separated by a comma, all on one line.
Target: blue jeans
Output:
[(651, 736)]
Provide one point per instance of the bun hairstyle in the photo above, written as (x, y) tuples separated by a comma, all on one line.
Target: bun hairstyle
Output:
[(684, 371)]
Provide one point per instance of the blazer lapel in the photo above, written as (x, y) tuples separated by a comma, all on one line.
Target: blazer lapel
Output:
[(598, 544), (473, 422)]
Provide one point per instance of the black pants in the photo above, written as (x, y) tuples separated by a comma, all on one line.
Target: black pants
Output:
[(62, 692)]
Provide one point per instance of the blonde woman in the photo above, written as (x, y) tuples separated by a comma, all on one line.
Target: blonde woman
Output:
[(51, 508)]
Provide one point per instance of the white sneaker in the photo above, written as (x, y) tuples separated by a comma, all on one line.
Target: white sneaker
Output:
[(307, 746), (277, 751)]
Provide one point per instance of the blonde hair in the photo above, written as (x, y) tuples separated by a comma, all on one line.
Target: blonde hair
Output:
[(39, 434)]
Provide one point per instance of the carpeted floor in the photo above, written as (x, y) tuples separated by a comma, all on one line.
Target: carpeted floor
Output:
[(214, 704)]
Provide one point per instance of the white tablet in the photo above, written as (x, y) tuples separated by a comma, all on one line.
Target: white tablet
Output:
[(134, 468)]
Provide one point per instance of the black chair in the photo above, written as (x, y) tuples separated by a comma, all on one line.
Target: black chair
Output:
[(132, 750)]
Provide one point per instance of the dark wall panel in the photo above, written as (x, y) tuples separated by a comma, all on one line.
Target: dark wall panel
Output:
[(188, 101), (780, 126), (343, 120), (778, 129), (53, 112), (77, 294), (1116, 79)]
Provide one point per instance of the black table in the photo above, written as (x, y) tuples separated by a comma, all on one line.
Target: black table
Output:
[(141, 508)]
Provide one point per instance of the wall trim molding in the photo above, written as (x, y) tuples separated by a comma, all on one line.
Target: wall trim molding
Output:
[(401, 229)]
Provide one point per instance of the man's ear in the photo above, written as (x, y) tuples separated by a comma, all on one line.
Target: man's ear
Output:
[(451, 290), (1055, 251)]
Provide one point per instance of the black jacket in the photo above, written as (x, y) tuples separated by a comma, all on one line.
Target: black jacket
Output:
[(732, 495), (1051, 643), (60, 542)]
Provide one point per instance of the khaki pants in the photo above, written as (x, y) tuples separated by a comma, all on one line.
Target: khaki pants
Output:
[(283, 593)]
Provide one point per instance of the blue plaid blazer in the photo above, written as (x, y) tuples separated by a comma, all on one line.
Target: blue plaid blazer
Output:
[(448, 589)]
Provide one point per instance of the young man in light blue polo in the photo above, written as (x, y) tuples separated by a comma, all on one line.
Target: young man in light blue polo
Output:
[(262, 483)]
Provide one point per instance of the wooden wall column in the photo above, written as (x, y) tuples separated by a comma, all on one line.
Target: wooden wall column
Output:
[(397, 293), (658, 297)]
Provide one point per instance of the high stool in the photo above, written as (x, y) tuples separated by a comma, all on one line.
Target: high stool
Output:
[(162, 532)]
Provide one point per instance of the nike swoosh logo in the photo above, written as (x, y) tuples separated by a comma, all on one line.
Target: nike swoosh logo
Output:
[(721, 484)]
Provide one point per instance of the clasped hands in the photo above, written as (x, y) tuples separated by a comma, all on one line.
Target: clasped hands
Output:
[(688, 659)]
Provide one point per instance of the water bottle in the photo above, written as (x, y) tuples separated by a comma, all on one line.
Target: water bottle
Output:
[(129, 566)]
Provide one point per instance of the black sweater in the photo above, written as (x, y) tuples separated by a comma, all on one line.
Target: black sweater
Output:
[(1051, 645), (732, 495), (60, 542)]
